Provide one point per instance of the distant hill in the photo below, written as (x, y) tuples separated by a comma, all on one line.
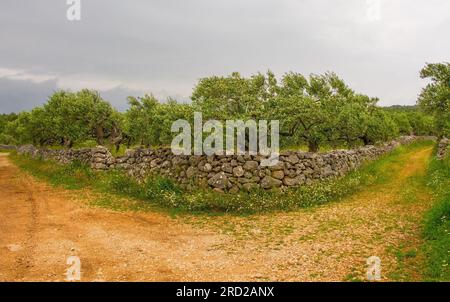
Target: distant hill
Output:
[(402, 108)]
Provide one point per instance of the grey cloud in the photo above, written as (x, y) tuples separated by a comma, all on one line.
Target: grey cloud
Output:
[(167, 45), (17, 95)]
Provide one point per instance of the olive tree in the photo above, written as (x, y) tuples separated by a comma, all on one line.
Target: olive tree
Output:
[(435, 97), (98, 115), (234, 97), (381, 127), (6, 138), (315, 110)]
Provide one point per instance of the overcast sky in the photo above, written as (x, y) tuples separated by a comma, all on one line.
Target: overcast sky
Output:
[(163, 47)]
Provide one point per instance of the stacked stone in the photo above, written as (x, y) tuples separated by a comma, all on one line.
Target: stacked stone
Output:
[(29, 150), (101, 158), (224, 173), (443, 147), (7, 147)]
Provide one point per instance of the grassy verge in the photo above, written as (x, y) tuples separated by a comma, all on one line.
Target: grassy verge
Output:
[(166, 194), (437, 222)]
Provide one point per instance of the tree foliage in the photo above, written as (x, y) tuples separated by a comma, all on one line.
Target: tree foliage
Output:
[(435, 97), (148, 121), (313, 110)]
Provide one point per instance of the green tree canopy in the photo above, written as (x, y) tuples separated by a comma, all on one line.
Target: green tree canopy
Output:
[(435, 97)]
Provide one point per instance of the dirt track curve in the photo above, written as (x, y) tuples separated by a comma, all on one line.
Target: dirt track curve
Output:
[(41, 226)]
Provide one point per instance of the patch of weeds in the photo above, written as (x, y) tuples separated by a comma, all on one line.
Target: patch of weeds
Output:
[(330, 225), (75, 175), (436, 231), (71, 176), (308, 237), (119, 183), (287, 229), (118, 152), (107, 202)]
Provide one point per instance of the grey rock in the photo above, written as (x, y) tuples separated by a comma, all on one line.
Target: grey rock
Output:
[(130, 152), (98, 160), (238, 171), (327, 171), (219, 181), (270, 182), (277, 166), (226, 167), (190, 172), (250, 165), (279, 174), (292, 159), (207, 167), (234, 189), (166, 164), (99, 166), (250, 186), (240, 159), (289, 181)]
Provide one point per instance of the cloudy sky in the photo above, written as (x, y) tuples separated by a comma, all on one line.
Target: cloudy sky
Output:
[(134, 47)]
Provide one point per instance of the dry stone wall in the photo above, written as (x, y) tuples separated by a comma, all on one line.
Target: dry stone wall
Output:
[(220, 172), (7, 147), (443, 147)]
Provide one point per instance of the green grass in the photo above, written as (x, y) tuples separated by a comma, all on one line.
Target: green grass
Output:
[(164, 193), (437, 222), (119, 152), (302, 147)]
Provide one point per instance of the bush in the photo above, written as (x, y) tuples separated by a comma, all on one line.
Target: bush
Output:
[(119, 183)]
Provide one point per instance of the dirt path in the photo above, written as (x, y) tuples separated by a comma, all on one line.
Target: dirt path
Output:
[(40, 227)]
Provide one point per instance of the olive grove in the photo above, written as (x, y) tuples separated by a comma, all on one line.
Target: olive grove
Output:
[(314, 111)]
